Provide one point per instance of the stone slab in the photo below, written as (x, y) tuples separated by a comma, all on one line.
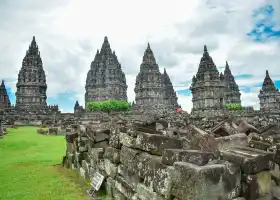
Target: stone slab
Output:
[(155, 144), (197, 157), (250, 160), (209, 182)]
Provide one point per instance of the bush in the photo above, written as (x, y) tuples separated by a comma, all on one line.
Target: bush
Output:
[(233, 106), (109, 105)]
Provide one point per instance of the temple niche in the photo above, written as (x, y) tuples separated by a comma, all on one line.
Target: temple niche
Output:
[(105, 79), (153, 90), (269, 95), (31, 85)]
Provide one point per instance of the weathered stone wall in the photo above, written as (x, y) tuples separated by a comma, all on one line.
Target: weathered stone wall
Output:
[(142, 163)]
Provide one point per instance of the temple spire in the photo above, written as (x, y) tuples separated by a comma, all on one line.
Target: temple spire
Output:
[(2, 83), (149, 55), (268, 84), (205, 49), (105, 49)]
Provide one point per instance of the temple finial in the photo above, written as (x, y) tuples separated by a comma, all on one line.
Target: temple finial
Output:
[(205, 48), (227, 66)]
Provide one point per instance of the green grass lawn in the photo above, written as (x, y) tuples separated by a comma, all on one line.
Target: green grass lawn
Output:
[(30, 168)]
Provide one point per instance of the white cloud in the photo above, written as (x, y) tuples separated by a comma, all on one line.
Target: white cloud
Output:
[(69, 32)]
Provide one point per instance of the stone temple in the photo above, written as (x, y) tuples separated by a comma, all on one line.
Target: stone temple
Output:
[(4, 98), (210, 89), (153, 89), (31, 85), (105, 79), (269, 95)]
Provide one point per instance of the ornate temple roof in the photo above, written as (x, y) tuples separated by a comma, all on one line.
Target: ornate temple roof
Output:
[(268, 85), (207, 65), (229, 79)]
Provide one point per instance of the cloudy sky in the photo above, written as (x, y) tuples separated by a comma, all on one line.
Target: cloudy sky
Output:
[(246, 33)]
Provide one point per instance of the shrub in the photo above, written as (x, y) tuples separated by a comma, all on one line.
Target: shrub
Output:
[(109, 105), (233, 106)]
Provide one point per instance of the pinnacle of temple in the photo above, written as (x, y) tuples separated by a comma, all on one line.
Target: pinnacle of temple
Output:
[(31, 85), (207, 65), (105, 79), (269, 95), (268, 85), (207, 86), (77, 107), (4, 98), (170, 95), (151, 86), (232, 93)]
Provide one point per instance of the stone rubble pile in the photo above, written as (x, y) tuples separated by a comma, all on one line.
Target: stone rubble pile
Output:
[(143, 158)]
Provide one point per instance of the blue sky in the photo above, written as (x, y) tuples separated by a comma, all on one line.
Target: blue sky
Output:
[(263, 31), (246, 36)]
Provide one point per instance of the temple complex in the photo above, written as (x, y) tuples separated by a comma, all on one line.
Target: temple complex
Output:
[(231, 93), (207, 87), (4, 98), (269, 95), (153, 89), (105, 79)]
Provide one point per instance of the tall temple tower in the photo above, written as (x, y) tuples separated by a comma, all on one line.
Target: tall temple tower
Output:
[(207, 88), (4, 98), (105, 79), (171, 98), (232, 93), (269, 95), (31, 85), (152, 89)]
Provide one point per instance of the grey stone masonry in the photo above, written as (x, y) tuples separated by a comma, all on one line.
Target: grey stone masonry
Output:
[(171, 98), (4, 98), (232, 93), (105, 79), (207, 88), (31, 85), (269, 95), (153, 90)]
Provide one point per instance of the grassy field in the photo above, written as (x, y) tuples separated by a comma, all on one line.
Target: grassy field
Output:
[(30, 168)]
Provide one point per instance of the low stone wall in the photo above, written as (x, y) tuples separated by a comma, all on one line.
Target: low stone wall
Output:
[(191, 165)]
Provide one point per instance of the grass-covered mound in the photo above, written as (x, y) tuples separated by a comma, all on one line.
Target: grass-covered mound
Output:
[(29, 168)]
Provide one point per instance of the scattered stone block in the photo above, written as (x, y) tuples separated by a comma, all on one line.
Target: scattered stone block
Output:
[(112, 154), (144, 193), (256, 185), (96, 153), (122, 186), (53, 131), (131, 177), (127, 140), (250, 160), (209, 182), (239, 139), (196, 157), (109, 186), (158, 177), (110, 168), (155, 144)]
